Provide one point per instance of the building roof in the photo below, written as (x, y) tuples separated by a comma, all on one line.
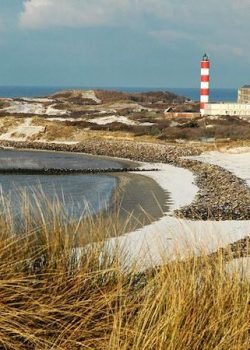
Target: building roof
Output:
[(246, 87)]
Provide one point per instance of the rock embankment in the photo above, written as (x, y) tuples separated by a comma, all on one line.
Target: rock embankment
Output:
[(140, 151), (222, 195), (63, 171)]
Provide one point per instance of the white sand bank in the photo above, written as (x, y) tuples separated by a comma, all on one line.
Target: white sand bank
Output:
[(90, 94), (235, 160), (117, 119), (103, 120), (22, 132), (58, 119), (36, 99), (240, 267), (112, 119), (59, 142), (25, 107), (170, 236)]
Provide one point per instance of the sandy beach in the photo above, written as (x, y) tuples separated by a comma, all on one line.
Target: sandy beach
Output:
[(171, 237), (236, 160)]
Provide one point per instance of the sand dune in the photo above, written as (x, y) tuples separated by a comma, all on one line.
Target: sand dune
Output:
[(22, 132)]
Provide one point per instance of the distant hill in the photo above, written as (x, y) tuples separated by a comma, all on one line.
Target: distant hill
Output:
[(108, 96)]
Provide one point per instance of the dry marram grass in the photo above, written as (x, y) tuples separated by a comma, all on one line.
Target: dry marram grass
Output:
[(53, 298)]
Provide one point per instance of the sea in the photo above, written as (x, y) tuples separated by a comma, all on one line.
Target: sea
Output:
[(226, 95)]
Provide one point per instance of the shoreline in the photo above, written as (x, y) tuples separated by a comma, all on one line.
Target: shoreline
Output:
[(131, 197), (216, 199), (179, 235), (176, 238), (68, 171), (232, 160), (138, 201)]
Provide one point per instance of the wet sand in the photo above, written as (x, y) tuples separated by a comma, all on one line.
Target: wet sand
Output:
[(138, 201)]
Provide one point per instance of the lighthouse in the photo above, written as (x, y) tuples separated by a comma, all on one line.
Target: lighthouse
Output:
[(205, 79)]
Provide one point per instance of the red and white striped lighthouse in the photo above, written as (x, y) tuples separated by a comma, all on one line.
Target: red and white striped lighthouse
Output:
[(205, 79)]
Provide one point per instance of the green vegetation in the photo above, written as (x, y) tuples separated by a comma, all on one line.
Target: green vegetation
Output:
[(56, 296)]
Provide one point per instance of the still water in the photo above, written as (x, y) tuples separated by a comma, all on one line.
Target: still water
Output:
[(79, 195), (39, 160), (71, 191)]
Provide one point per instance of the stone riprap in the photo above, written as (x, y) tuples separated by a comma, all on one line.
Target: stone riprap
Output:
[(64, 171)]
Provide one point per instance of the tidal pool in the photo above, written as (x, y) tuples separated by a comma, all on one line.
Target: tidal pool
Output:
[(135, 200)]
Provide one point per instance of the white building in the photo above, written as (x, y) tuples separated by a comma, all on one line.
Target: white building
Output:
[(237, 109), (244, 94)]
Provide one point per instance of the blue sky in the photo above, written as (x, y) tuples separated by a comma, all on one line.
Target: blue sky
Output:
[(142, 43)]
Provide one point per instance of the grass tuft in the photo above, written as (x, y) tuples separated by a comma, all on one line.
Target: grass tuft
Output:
[(60, 292)]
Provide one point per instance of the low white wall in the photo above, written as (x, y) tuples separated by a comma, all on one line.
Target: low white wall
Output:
[(227, 109)]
